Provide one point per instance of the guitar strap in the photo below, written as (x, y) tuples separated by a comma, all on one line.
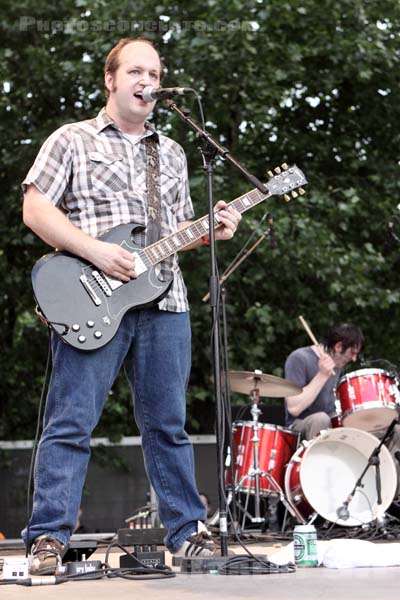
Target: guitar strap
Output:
[(153, 231)]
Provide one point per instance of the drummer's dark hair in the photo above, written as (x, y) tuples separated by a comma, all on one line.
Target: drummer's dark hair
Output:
[(349, 334)]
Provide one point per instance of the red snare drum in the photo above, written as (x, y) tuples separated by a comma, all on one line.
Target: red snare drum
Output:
[(276, 446), (323, 471), (369, 399)]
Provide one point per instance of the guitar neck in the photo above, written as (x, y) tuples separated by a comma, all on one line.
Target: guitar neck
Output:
[(176, 241)]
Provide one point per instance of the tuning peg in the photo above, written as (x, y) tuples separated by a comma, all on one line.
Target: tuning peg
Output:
[(278, 170), (270, 174), (294, 194), (284, 166), (286, 197), (302, 192)]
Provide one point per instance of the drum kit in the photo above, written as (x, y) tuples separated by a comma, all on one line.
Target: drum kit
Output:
[(328, 476)]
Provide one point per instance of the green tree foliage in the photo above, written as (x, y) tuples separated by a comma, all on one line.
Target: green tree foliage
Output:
[(302, 81)]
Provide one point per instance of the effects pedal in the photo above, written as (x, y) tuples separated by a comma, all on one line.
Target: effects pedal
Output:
[(149, 557)]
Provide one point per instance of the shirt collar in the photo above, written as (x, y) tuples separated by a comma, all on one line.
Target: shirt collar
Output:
[(104, 120)]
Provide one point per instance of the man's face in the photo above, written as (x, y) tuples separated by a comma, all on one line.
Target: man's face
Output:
[(139, 66), (344, 357)]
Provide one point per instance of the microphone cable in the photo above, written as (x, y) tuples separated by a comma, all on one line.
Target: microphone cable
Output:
[(35, 442)]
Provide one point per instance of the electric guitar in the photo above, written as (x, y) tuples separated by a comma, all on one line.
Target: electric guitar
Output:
[(84, 306)]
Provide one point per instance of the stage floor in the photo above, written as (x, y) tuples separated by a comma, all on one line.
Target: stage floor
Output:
[(308, 583)]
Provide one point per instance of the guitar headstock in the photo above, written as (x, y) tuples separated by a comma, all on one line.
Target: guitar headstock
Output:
[(286, 181)]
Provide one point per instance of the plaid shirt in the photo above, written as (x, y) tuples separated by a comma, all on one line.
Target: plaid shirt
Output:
[(97, 176)]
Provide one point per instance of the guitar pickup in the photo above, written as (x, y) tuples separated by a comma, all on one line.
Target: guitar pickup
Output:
[(113, 283), (85, 282), (140, 267), (103, 283)]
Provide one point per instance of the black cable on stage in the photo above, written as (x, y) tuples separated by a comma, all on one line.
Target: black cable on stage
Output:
[(142, 571), (243, 564), (35, 441), (139, 572)]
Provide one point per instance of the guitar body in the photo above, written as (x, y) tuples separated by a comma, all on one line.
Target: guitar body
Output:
[(72, 308), (85, 307)]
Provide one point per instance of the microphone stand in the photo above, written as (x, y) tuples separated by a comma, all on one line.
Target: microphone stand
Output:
[(244, 253), (216, 147), (209, 151), (228, 413), (373, 461)]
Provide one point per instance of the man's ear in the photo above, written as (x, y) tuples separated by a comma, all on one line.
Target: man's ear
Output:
[(339, 347), (109, 81)]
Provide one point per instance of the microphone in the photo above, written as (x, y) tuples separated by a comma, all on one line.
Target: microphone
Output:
[(343, 512), (150, 94)]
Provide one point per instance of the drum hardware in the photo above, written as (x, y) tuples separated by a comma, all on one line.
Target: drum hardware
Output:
[(275, 489), (336, 419), (275, 448), (394, 391), (256, 480), (373, 461), (272, 462)]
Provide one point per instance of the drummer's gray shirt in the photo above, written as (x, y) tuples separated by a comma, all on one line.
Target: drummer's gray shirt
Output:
[(301, 366)]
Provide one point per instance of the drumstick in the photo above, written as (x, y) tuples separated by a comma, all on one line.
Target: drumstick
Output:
[(312, 337), (310, 333)]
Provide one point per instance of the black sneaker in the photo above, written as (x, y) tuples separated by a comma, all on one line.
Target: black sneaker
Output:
[(199, 544), (45, 555)]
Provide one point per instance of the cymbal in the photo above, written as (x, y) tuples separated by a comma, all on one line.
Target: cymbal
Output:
[(268, 386)]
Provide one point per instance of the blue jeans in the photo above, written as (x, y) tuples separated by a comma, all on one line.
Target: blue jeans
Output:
[(154, 348)]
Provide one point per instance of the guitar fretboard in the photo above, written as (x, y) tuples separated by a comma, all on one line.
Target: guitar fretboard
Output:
[(172, 243)]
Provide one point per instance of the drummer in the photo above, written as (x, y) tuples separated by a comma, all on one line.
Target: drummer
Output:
[(317, 370)]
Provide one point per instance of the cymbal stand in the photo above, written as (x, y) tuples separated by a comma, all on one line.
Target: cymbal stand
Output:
[(256, 473)]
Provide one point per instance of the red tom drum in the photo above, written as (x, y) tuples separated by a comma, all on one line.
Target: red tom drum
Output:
[(276, 447), (369, 399)]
